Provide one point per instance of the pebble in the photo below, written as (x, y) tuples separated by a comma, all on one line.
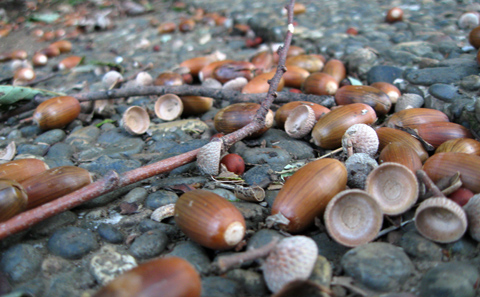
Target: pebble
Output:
[(378, 265), (383, 73), (419, 247), (258, 175), (110, 233), (446, 75), (160, 198), (50, 225), (279, 139), (360, 62), (194, 254), (224, 193), (137, 196), (252, 212), (32, 149), (453, 279), (30, 131), (51, 137), (77, 280), (263, 237), (60, 150), (83, 138), (72, 242), (148, 224), (471, 82), (21, 262), (107, 263), (216, 286), (150, 244), (322, 272), (444, 92), (122, 149), (251, 282), (105, 164)]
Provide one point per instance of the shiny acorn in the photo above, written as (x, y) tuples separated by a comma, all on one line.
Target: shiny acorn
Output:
[(238, 115), (22, 169), (436, 133), (56, 112), (13, 199), (460, 145), (374, 97), (415, 116), (209, 219), (259, 84), (388, 135)]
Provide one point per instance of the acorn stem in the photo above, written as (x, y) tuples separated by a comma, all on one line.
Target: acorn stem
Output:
[(224, 263), (431, 186)]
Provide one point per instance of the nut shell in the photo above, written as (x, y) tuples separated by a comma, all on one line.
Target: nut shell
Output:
[(436, 133), (389, 135), (196, 105), (402, 154), (336, 69), (259, 84), (238, 115), (13, 199), (295, 76), (364, 94), (320, 83), (353, 218), (22, 169), (209, 219), (208, 158), (135, 120), (460, 145), (300, 122), (360, 138), (392, 91), (311, 63), (282, 113), (56, 112), (416, 116), (168, 107)]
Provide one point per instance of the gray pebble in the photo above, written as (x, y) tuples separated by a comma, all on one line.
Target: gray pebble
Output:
[(160, 198), (252, 212), (419, 247), (453, 279), (33, 149), (32, 287), (105, 164), (21, 262), (378, 265), (48, 226), (471, 82), (113, 136), (150, 244), (262, 237), (64, 284), (147, 225), (137, 195), (122, 149), (258, 175), (224, 193), (446, 75), (30, 131), (251, 282), (361, 61), (72, 242), (322, 272), (89, 154), (329, 248), (383, 73), (110, 234), (162, 146), (60, 150), (193, 253), (83, 138), (298, 149), (270, 197), (444, 92), (51, 137), (217, 286)]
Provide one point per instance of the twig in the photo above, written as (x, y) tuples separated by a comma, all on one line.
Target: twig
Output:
[(431, 186), (224, 263)]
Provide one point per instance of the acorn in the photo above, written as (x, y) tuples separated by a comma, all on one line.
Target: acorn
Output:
[(460, 145), (320, 83), (391, 90), (402, 154), (168, 79), (306, 193), (54, 183), (70, 62), (23, 75), (56, 112), (295, 76), (329, 130), (197, 63), (50, 51), (336, 69), (474, 37), (388, 135), (172, 276), (310, 63), (167, 27), (263, 61), (14, 55), (207, 71), (64, 46), (186, 25), (395, 14), (22, 169), (196, 105), (234, 163), (231, 70), (415, 116), (209, 219), (238, 115), (364, 94), (436, 133), (39, 59), (282, 113), (13, 199), (447, 164), (259, 84), (135, 120)]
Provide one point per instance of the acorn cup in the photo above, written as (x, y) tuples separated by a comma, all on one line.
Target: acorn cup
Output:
[(300, 122), (13, 199), (135, 120), (54, 183), (389, 135), (172, 276), (353, 218), (415, 116), (329, 130), (306, 194), (209, 219), (56, 112), (168, 107), (238, 115), (374, 97), (22, 169)]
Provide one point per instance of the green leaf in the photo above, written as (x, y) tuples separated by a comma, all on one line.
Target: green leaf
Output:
[(104, 122), (12, 94), (45, 17)]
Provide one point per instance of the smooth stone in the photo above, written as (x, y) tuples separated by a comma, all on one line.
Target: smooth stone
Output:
[(258, 175), (419, 247), (194, 254), (329, 248), (455, 279), (465, 247), (51, 137), (83, 138), (90, 154), (162, 146), (60, 150), (14, 134), (263, 237), (417, 48), (5, 285), (110, 233), (148, 224), (105, 164), (21, 262), (383, 73), (252, 283), (160, 198), (217, 286), (72, 242), (150, 244), (298, 149), (110, 137), (471, 82), (106, 198), (33, 149), (277, 158), (30, 131), (107, 264), (64, 284), (447, 75), (401, 57), (122, 149), (187, 146), (444, 92), (137, 196), (360, 62), (32, 287), (50, 225), (224, 193), (173, 181), (270, 196), (378, 265)]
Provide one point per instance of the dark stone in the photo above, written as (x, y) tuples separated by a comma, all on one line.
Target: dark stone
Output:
[(446, 75), (160, 198), (217, 286), (63, 284), (263, 237), (30, 131), (258, 175), (105, 164), (122, 149), (48, 226), (32, 149), (60, 150), (383, 73), (110, 234), (252, 283), (51, 137), (453, 279), (419, 247), (21, 262), (187, 146), (150, 244), (444, 92), (72, 242), (83, 138), (147, 225), (193, 253)]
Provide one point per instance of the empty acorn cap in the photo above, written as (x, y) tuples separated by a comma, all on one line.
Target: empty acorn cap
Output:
[(393, 186), (208, 159), (300, 121), (135, 120), (353, 218), (441, 220), (168, 107), (292, 259)]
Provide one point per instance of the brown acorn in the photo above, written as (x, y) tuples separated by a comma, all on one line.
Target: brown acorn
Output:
[(231, 70), (168, 79), (70, 62), (197, 63), (235, 116), (50, 51), (64, 46), (389, 135), (39, 59), (195, 105), (23, 75), (415, 116), (56, 112), (402, 154), (436, 133), (307, 192), (282, 113), (13, 199), (172, 276), (259, 84), (186, 25), (54, 183), (329, 130), (364, 94), (460, 145), (336, 69), (447, 164), (392, 91), (395, 14), (320, 83), (22, 169), (209, 219), (310, 63), (167, 27), (295, 76), (207, 71), (263, 62)]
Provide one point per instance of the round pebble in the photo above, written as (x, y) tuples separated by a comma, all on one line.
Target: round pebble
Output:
[(160, 198), (150, 244), (444, 92), (72, 242), (383, 73), (110, 234), (419, 247), (220, 286), (148, 224), (251, 282), (275, 157), (60, 150), (51, 137), (21, 262), (453, 279), (137, 196), (193, 253), (378, 265)]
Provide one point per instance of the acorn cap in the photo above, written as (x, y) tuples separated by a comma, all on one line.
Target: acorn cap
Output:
[(441, 220), (353, 217), (135, 120), (360, 138), (300, 121), (393, 186), (168, 107), (208, 158), (292, 259)]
